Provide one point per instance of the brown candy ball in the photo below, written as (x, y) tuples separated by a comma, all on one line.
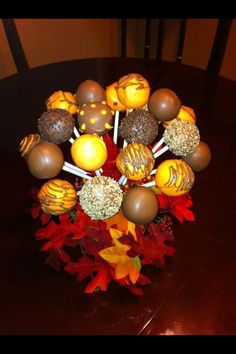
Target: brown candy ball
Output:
[(89, 91), (139, 126), (164, 104), (45, 160), (56, 125), (95, 118), (200, 158), (140, 205)]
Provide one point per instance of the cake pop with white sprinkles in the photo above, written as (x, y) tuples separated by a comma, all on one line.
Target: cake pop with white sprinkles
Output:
[(101, 197), (181, 137)]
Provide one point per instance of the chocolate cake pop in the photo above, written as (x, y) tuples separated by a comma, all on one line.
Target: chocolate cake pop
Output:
[(57, 197), (140, 205), (200, 158), (95, 118), (101, 197), (56, 125), (45, 160), (135, 161), (133, 90), (181, 137), (164, 104), (89, 91), (174, 177), (27, 144), (62, 100), (139, 126)]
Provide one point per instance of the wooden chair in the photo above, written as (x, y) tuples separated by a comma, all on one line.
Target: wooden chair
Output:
[(15, 45), (217, 51)]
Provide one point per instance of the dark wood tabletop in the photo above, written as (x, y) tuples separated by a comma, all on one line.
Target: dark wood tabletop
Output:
[(195, 293)]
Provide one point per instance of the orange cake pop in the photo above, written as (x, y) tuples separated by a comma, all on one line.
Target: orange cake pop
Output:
[(62, 100), (135, 161), (57, 197), (112, 98), (174, 177), (133, 90)]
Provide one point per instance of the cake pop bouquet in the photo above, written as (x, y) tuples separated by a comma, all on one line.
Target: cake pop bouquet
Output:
[(117, 214)]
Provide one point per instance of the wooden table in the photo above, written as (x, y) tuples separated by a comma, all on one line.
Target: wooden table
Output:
[(196, 292)]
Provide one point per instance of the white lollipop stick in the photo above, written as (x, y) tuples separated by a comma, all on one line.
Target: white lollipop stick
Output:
[(124, 181), (116, 125), (154, 149), (149, 184), (77, 134), (153, 172), (76, 173), (160, 152), (125, 144), (71, 140), (122, 178), (73, 167), (98, 173)]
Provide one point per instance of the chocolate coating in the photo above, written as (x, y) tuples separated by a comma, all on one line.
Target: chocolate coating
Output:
[(95, 118), (200, 158), (56, 125), (164, 104), (139, 126), (140, 205), (89, 91), (27, 144), (45, 160)]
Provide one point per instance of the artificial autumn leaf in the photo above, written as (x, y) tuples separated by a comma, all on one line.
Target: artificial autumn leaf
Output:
[(151, 246), (109, 168), (100, 281), (85, 267), (119, 222), (117, 256), (177, 206)]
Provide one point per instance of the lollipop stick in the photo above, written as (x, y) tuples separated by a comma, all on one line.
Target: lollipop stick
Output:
[(98, 172), (73, 167), (149, 184), (77, 134), (160, 152), (161, 141), (116, 124), (153, 172), (76, 173), (71, 140), (125, 144), (122, 178), (124, 181)]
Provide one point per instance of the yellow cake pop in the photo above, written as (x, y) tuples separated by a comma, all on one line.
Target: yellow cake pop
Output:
[(112, 98), (89, 152)]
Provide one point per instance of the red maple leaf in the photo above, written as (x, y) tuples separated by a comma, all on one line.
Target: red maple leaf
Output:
[(151, 247), (86, 267), (177, 206), (109, 168)]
